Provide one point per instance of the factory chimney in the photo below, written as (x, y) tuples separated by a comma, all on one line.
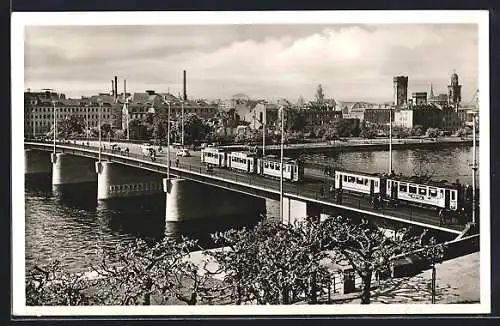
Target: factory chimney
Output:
[(112, 87), (124, 90), (116, 89), (185, 94)]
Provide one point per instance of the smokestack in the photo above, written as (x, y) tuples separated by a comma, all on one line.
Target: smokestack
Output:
[(116, 88), (124, 90), (185, 94), (112, 87)]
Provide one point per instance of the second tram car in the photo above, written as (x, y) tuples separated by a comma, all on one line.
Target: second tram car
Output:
[(215, 156), (363, 183), (242, 161), (293, 169)]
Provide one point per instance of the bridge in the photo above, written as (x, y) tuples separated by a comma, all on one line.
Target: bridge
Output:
[(192, 192)]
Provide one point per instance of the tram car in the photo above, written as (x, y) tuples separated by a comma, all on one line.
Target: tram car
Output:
[(438, 195), (217, 157), (270, 166), (242, 161), (360, 183)]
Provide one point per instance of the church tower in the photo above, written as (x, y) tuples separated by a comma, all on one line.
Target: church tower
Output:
[(454, 91)]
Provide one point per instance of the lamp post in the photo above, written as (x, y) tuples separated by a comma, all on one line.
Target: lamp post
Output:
[(263, 139), (55, 126), (281, 166), (168, 141), (127, 118), (99, 101), (474, 168), (182, 124)]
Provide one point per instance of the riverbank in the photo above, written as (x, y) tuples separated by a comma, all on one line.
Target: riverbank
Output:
[(359, 144)]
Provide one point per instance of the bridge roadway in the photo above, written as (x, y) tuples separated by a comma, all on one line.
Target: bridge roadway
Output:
[(309, 190)]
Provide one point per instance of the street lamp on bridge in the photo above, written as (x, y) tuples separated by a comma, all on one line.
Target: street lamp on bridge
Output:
[(55, 125), (99, 101)]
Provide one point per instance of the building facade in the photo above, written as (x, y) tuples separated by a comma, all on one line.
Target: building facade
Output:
[(39, 110)]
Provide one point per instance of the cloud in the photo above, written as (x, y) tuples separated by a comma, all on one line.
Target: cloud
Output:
[(351, 61)]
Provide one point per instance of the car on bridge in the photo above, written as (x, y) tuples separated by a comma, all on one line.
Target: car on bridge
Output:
[(184, 152)]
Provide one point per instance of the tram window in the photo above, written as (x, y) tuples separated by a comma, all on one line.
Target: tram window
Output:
[(412, 189), (345, 178), (432, 192), (359, 181), (422, 191), (375, 184), (365, 182), (266, 165), (453, 195), (351, 179), (403, 187)]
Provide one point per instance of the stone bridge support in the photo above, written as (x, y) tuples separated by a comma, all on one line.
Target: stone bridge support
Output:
[(70, 169), (36, 162), (115, 180), (297, 210), (189, 200)]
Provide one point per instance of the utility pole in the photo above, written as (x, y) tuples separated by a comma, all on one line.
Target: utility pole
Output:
[(168, 142), (474, 169), (182, 124), (263, 139), (99, 126), (390, 141), (55, 126)]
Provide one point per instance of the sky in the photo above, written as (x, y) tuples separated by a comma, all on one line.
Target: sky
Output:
[(352, 62)]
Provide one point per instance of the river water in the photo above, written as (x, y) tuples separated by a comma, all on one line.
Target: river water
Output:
[(68, 224)]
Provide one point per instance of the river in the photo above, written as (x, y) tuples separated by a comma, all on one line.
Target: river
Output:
[(68, 224)]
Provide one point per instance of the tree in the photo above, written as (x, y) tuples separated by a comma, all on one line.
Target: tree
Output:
[(106, 130), (367, 249), (368, 131), (417, 130), (160, 128), (138, 130), (320, 96), (433, 132), (68, 127), (141, 271), (273, 263)]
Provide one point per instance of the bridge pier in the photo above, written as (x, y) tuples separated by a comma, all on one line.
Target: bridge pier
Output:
[(36, 162), (115, 180), (297, 210), (189, 200), (69, 169)]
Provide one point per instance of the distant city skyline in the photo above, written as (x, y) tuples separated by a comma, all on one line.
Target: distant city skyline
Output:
[(352, 62)]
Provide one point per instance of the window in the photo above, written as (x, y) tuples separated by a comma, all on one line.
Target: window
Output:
[(351, 179), (432, 192), (403, 187), (266, 165), (359, 181), (345, 178), (453, 195), (375, 184), (412, 189), (365, 182), (422, 191)]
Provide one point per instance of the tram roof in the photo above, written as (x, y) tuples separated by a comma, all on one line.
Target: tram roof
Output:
[(421, 181), (276, 158)]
